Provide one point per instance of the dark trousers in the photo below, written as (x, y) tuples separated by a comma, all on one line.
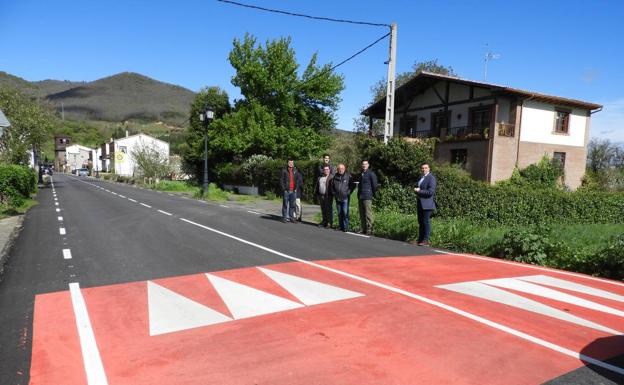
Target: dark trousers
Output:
[(327, 209), (343, 214), (424, 228), (365, 207), (288, 205)]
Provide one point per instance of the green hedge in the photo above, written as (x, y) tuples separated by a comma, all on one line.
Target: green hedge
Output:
[(458, 196), (266, 176), (16, 184)]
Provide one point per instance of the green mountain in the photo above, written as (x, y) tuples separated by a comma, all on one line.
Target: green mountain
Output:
[(123, 97)]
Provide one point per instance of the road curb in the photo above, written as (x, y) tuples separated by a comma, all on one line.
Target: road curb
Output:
[(5, 248)]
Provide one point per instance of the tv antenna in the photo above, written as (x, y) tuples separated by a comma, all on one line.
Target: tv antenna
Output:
[(489, 56)]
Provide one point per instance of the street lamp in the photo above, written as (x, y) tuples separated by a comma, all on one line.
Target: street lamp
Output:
[(205, 117)]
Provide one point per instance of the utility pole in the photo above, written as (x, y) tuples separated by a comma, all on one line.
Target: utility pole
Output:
[(206, 117), (389, 121)]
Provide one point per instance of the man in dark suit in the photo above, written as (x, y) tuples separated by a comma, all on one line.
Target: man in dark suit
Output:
[(426, 203)]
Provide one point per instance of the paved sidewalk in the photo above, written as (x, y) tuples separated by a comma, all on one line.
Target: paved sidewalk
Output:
[(9, 228)]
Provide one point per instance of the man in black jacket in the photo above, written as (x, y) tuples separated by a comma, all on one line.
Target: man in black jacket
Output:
[(342, 185), (290, 182), (366, 191)]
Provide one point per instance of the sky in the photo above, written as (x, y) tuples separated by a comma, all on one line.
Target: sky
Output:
[(567, 48)]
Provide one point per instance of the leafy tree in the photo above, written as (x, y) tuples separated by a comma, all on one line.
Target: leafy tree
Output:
[(268, 76), (192, 150), (149, 161), (31, 125)]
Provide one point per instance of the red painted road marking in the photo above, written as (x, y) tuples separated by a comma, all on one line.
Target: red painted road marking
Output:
[(378, 338)]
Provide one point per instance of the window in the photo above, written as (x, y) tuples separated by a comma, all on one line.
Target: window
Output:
[(408, 126), (559, 158), (562, 121), (459, 156), (438, 121), (480, 118)]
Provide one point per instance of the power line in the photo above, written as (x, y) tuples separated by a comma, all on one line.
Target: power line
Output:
[(347, 59), (302, 15)]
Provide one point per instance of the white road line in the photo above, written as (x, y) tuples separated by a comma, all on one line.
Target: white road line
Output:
[(67, 254), (56, 203), (62, 231), (60, 219), (358, 235), (495, 325), (254, 212), (132, 200), (143, 204), (171, 195), (224, 206), (164, 212), (122, 196), (114, 193), (58, 210), (90, 353), (496, 260)]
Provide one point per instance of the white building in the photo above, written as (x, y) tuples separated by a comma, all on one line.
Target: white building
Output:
[(489, 129), (121, 159), (77, 157)]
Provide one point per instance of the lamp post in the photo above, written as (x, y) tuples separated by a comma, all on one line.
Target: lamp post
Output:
[(205, 117)]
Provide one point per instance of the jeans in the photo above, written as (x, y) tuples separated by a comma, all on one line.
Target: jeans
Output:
[(424, 228), (343, 214), (288, 205)]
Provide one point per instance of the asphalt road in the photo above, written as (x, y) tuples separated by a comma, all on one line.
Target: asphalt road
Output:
[(98, 234), (113, 240)]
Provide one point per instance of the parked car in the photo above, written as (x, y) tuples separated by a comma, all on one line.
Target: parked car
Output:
[(83, 172)]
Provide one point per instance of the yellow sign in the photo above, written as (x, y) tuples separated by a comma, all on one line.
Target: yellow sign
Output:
[(120, 157)]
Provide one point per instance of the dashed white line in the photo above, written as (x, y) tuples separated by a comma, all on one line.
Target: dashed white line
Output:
[(114, 193), (171, 195), (132, 200), (224, 206), (60, 219), (67, 254), (143, 204), (56, 203), (90, 353), (122, 196), (164, 212), (485, 321), (62, 231), (58, 210), (254, 212)]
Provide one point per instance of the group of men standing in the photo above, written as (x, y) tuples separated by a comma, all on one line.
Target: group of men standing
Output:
[(335, 184)]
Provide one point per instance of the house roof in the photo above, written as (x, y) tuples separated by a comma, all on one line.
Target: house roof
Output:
[(140, 134), (424, 80)]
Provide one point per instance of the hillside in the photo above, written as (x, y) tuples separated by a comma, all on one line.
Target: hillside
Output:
[(122, 97)]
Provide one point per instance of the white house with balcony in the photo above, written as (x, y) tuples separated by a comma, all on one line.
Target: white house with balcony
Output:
[(489, 129)]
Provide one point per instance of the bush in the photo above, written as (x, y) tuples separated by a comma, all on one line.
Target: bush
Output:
[(17, 183), (529, 246), (458, 196)]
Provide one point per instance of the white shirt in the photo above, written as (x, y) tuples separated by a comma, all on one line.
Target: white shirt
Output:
[(322, 185), (422, 179)]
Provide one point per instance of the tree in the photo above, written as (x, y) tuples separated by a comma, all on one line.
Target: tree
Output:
[(378, 90), (31, 126), (150, 161), (267, 76), (192, 150), (601, 154)]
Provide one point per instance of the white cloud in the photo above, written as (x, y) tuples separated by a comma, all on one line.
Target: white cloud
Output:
[(609, 123)]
